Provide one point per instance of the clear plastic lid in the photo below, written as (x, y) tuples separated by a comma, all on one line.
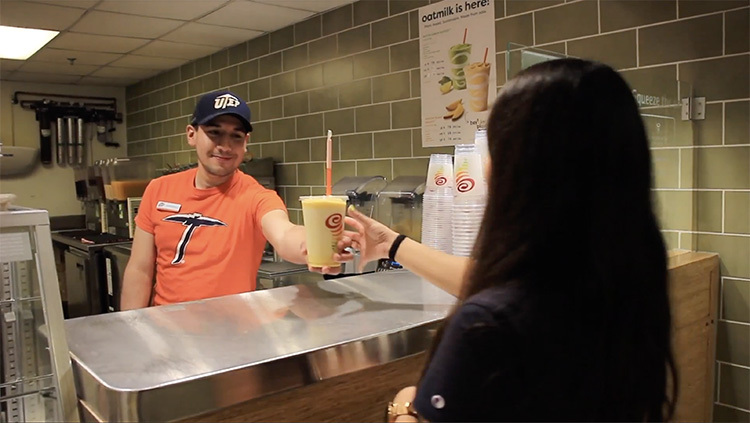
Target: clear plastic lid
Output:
[(480, 140), (127, 168), (359, 187), (404, 186)]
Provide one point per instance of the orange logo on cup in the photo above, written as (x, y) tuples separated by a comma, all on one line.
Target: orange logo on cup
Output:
[(334, 222), (463, 182), (440, 180)]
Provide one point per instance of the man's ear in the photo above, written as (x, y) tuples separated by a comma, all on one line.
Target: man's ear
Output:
[(191, 132)]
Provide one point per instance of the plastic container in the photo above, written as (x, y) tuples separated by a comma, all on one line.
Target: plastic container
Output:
[(129, 177), (400, 205), (103, 166), (361, 191)]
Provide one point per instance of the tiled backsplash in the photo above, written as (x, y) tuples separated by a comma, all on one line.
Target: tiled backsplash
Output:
[(355, 70)]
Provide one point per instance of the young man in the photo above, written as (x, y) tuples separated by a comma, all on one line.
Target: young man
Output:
[(203, 230)]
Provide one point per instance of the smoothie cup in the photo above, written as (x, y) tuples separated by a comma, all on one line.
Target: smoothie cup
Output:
[(459, 57), (324, 225), (477, 81)]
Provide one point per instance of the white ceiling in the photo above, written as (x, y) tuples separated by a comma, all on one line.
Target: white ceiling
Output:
[(120, 42)]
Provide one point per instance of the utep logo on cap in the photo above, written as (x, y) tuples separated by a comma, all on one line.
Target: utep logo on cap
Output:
[(226, 100)]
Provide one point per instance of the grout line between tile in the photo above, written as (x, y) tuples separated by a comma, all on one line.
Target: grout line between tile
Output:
[(718, 233), (735, 322), (679, 168), (723, 210), (718, 381), (726, 363), (734, 278), (731, 406), (700, 147), (637, 48), (721, 298), (724, 33), (723, 123)]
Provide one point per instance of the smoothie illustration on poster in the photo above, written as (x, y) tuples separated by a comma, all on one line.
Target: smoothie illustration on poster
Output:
[(457, 60)]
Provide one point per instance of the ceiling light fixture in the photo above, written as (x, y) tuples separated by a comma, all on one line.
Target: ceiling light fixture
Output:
[(20, 43)]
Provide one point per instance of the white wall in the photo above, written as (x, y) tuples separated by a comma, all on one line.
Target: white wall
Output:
[(50, 187)]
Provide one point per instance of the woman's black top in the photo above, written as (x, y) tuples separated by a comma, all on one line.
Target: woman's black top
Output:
[(509, 356)]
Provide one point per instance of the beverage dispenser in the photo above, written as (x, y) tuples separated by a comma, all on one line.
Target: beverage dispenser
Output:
[(128, 178), (90, 191), (399, 206), (361, 192)]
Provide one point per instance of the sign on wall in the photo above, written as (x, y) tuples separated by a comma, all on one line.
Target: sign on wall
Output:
[(458, 70)]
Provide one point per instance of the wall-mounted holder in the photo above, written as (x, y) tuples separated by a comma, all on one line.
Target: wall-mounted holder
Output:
[(67, 118), (694, 108)]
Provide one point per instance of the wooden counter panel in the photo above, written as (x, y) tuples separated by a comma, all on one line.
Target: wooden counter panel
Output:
[(690, 292), (693, 292), (357, 397)]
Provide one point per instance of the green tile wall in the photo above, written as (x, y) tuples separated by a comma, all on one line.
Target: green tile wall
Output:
[(355, 70)]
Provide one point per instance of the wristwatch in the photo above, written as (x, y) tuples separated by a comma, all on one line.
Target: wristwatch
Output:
[(396, 409)]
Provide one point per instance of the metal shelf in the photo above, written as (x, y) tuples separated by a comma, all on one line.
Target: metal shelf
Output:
[(35, 374)]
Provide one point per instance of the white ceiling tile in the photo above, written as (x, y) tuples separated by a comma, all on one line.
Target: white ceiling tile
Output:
[(148, 62), (61, 68), (82, 4), (82, 57), (259, 16), (112, 82), (160, 48), (107, 23), (314, 5), (210, 35), (10, 65), (101, 43), (185, 10), (114, 72), (37, 15), (52, 78)]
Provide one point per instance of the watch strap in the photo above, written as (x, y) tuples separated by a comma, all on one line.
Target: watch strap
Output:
[(397, 409)]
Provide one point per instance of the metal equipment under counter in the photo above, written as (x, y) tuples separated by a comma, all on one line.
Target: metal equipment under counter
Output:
[(208, 358)]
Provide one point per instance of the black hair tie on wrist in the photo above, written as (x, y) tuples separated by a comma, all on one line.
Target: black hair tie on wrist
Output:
[(394, 247)]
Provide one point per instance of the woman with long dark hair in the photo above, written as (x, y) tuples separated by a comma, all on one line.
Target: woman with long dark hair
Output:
[(563, 311)]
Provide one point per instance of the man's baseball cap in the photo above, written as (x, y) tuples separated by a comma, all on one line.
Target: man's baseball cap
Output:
[(215, 104)]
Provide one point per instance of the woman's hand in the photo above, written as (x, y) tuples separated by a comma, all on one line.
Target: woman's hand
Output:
[(374, 238)]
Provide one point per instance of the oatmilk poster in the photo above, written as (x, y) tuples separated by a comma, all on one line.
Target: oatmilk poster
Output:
[(457, 59)]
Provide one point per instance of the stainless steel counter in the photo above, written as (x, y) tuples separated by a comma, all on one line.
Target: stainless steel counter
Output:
[(170, 362)]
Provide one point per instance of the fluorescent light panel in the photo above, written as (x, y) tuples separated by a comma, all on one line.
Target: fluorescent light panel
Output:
[(20, 43)]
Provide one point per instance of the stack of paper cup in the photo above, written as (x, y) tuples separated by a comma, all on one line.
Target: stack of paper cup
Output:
[(470, 198), (438, 203)]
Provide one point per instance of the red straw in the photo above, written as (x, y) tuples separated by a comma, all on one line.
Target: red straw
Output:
[(485, 55), (465, 29), (329, 154)]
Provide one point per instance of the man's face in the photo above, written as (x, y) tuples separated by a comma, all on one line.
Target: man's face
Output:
[(220, 144)]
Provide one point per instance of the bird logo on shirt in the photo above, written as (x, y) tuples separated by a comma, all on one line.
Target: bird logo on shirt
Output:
[(192, 221)]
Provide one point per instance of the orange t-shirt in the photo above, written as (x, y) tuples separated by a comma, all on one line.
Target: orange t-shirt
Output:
[(209, 242)]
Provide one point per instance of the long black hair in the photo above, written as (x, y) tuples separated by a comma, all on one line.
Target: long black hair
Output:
[(570, 218)]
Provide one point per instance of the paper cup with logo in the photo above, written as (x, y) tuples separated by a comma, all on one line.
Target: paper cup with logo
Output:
[(439, 172), (324, 225), (469, 175)]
